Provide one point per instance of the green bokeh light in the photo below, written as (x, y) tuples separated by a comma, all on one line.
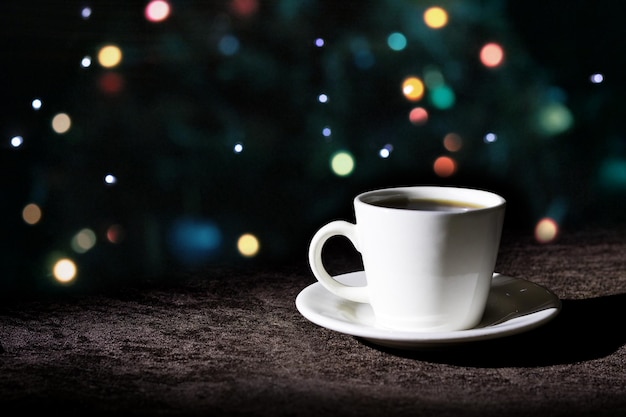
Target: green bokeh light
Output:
[(442, 97)]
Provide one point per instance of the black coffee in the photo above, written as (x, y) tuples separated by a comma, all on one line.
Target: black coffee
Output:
[(424, 204)]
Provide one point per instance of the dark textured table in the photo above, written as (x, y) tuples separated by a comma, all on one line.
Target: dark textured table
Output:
[(230, 341)]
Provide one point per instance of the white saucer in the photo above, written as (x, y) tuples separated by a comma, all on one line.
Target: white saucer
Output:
[(514, 306)]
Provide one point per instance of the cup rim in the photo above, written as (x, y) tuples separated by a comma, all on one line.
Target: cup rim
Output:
[(489, 199)]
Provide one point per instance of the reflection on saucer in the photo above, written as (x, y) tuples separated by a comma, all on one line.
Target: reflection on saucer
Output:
[(514, 305)]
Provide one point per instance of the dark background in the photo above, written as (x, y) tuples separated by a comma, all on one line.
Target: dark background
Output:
[(184, 197)]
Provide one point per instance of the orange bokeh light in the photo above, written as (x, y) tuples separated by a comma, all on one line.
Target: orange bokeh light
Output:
[(452, 142), (445, 166)]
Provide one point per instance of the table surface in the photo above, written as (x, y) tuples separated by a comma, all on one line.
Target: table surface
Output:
[(229, 340)]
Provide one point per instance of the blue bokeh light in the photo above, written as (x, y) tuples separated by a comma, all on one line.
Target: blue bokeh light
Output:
[(194, 241)]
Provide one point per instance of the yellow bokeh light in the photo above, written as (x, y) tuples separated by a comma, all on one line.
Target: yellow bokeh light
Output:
[(492, 55), (61, 123), (110, 56), (31, 214), (435, 17), (248, 245), (64, 270), (546, 230), (413, 88), (342, 163)]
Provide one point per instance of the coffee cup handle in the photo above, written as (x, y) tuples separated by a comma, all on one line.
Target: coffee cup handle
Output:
[(335, 228)]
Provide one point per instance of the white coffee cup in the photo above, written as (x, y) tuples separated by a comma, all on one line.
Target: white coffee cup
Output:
[(427, 268)]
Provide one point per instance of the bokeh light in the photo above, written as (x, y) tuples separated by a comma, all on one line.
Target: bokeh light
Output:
[(445, 166), (435, 17), (413, 88), (418, 116), (396, 41), (64, 270), (194, 241), (452, 142), (86, 12), (322, 98), (61, 123), (442, 97), (17, 141), (492, 55), (83, 241), (363, 57), (115, 233), (248, 245), (596, 78), (157, 11), (433, 77), (612, 173), (385, 151), (238, 148), (85, 62), (111, 83), (110, 56), (36, 104), (554, 118), (110, 179), (546, 230), (31, 213), (228, 45), (342, 163), (244, 8), (490, 137)]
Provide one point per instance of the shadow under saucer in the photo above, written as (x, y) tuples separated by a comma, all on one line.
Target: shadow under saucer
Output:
[(581, 331)]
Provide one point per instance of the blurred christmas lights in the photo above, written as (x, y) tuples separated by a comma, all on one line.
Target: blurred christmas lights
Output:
[(83, 241), (413, 88), (418, 116), (492, 55), (110, 56), (157, 11), (342, 163), (17, 141), (452, 142), (436, 17), (196, 240), (61, 123), (31, 213), (248, 245), (444, 166), (396, 41), (546, 230), (65, 270)]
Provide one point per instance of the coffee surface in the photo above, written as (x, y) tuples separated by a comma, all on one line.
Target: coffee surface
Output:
[(425, 204)]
